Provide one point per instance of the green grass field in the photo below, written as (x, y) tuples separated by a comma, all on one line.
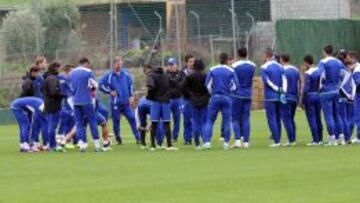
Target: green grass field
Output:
[(127, 174)]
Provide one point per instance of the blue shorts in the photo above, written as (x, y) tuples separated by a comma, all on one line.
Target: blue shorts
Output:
[(160, 112)]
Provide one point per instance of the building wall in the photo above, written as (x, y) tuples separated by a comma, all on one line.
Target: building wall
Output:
[(310, 9)]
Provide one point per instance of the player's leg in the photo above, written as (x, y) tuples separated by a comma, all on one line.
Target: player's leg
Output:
[(311, 116), (350, 118), (319, 124), (236, 117), (187, 123), (271, 115), (176, 114), (103, 111), (339, 125), (286, 114), (90, 114), (342, 115), (160, 134), (130, 116), (155, 114), (328, 110), (166, 119), (115, 115), (80, 126), (204, 116), (24, 125), (196, 114), (53, 122), (142, 116), (212, 114), (226, 116), (101, 120), (245, 120)]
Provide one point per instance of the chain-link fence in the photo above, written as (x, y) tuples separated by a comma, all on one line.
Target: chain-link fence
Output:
[(145, 31)]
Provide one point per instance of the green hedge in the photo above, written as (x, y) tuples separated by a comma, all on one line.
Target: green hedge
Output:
[(300, 37)]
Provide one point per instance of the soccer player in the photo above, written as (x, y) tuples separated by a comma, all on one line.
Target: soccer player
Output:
[(353, 57), (141, 114), (199, 98), (275, 85), (175, 92), (292, 97), (311, 100), (82, 81), (346, 110), (158, 84), (119, 85), (24, 109), (332, 70), (52, 97), (67, 120), (187, 115), (28, 85), (241, 101), (221, 83)]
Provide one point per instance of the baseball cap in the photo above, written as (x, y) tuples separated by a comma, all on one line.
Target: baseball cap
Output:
[(172, 61)]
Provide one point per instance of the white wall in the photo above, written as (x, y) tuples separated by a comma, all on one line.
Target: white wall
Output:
[(310, 9)]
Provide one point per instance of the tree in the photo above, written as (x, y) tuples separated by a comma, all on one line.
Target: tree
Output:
[(22, 34)]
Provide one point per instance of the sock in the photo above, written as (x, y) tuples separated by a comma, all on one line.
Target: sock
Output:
[(142, 137), (168, 133), (154, 127)]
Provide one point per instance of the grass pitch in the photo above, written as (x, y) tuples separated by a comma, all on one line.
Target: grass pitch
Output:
[(127, 174)]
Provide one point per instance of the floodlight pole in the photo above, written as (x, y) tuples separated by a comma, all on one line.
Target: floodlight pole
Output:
[(233, 18), (197, 16)]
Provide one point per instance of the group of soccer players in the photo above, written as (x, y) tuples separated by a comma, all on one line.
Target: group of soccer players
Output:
[(60, 101)]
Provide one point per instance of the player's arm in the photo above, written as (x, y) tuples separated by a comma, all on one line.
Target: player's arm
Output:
[(104, 85), (209, 82), (306, 89), (234, 83), (268, 82)]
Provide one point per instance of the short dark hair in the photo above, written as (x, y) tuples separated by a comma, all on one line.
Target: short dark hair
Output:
[(199, 65), (353, 54), (54, 67), (84, 60), (34, 69), (269, 52), (224, 58), (188, 57), (242, 52), (68, 67), (285, 57), (329, 49), (309, 59)]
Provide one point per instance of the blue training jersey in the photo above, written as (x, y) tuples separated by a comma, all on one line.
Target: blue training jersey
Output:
[(221, 80), (292, 75), (332, 71), (121, 82), (356, 77), (274, 80), (245, 70), (32, 104), (81, 81), (348, 90)]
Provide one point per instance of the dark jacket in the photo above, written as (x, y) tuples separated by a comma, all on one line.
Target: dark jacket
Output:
[(183, 75), (158, 84), (52, 93), (28, 86), (195, 84), (175, 84)]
